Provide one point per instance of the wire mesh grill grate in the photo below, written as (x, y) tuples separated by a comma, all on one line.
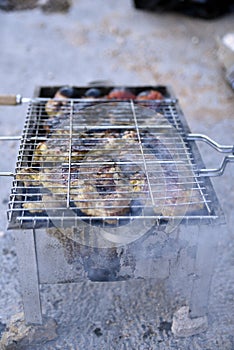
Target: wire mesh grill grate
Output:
[(106, 163)]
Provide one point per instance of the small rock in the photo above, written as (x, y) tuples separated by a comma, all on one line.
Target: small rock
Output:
[(98, 332), (195, 40), (184, 326), (18, 335), (45, 5), (55, 5), (15, 5), (2, 234), (2, 328)]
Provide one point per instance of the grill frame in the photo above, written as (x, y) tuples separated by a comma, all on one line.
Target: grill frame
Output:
[(31, 222), (175, 260)]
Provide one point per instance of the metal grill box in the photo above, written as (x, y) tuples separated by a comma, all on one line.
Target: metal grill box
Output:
[(167, 241)]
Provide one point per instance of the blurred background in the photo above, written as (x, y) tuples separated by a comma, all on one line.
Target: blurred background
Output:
[(54, 43)]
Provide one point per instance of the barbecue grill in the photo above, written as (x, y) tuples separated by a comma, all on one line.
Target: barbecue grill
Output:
[(109, 189)]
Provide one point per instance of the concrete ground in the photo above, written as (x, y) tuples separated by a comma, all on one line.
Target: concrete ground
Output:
[(111, 40)]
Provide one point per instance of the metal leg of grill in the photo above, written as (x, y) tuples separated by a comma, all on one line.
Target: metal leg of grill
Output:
[(28, 274), (204, 265)]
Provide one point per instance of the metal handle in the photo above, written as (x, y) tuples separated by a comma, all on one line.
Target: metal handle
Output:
[(7, 173), (8, 138), (212, 143), (216, 172), (220, 148), (10, 100)]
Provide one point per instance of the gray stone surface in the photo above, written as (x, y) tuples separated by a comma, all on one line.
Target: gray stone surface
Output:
[(111, 40)]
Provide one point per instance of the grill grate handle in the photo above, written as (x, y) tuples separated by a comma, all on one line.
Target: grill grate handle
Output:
[(8, 138), (220, 148), (10, 100), (7, 173)]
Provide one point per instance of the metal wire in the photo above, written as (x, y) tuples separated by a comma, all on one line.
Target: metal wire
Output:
[(149, 148), (69, 155)]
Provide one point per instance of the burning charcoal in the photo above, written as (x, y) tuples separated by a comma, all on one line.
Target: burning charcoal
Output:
[(149, 95), (121, 94)]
